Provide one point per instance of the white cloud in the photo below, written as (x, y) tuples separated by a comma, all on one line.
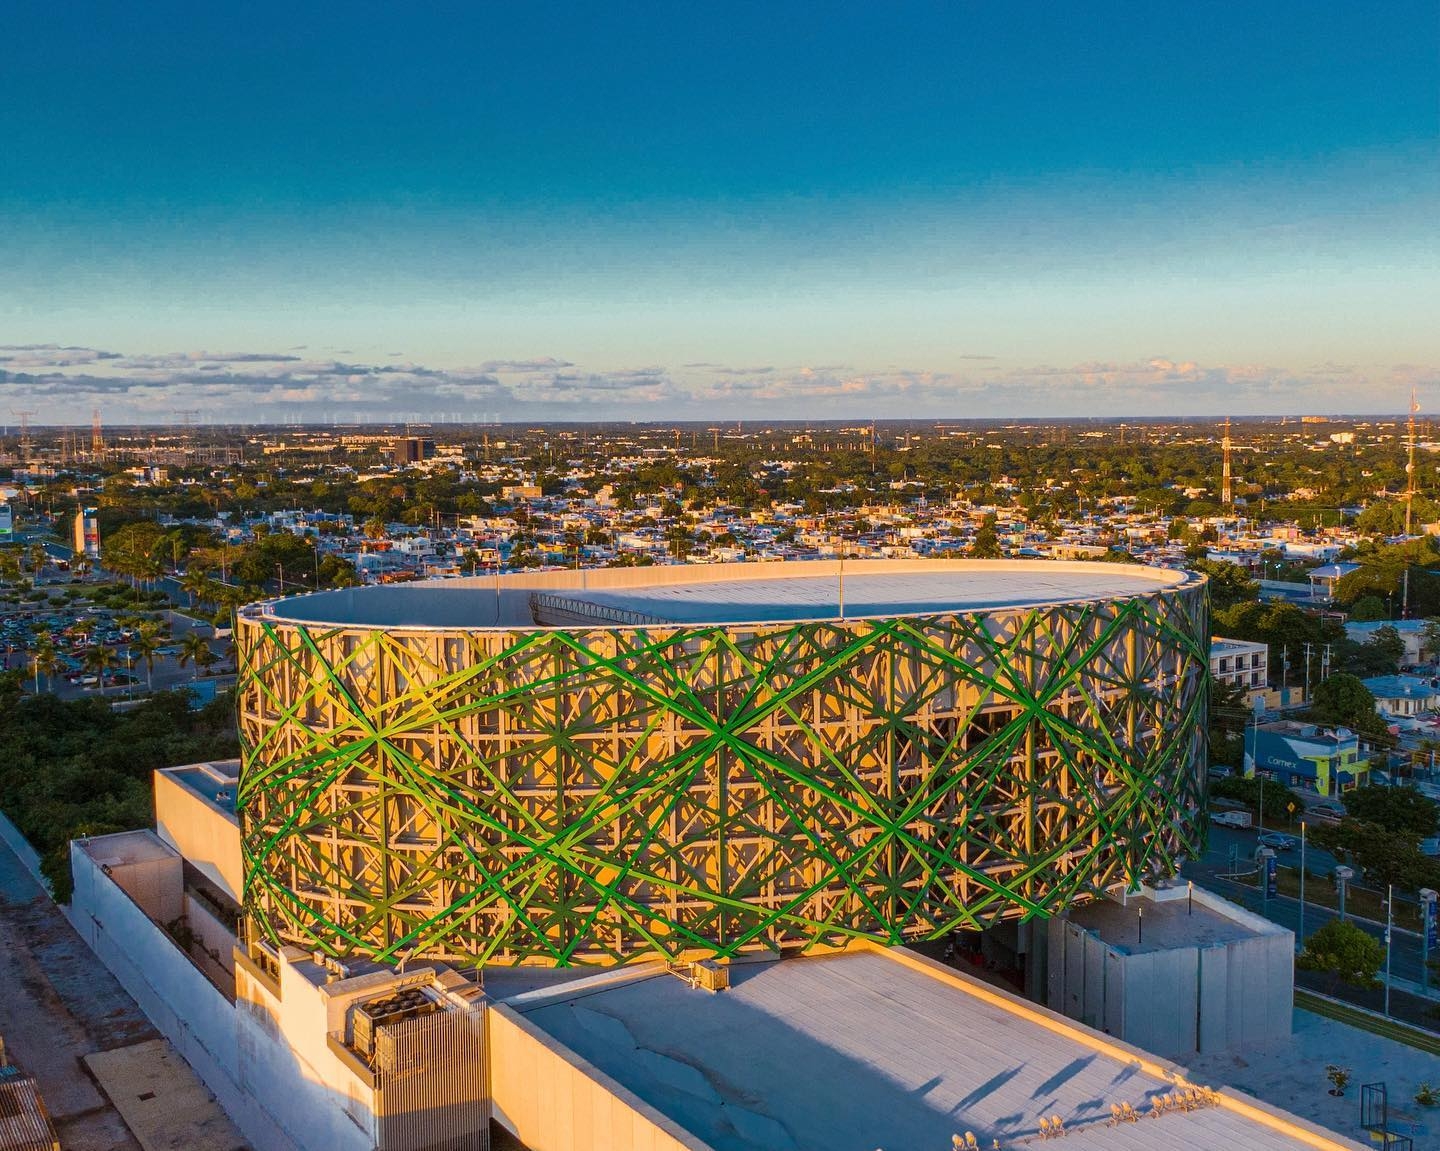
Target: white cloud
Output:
[(63, 383)]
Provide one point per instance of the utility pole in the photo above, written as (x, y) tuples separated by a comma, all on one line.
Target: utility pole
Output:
[(1307, 672)]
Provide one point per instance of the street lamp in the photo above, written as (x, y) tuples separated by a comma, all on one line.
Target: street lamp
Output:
[(1300, 934), (1427, 906), (1389, 931), (1343, 876)]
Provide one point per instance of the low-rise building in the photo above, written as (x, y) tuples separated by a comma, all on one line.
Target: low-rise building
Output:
[(1323, 760), (1404, 695), (1240, 663), (1323, 579), (1410, 631)]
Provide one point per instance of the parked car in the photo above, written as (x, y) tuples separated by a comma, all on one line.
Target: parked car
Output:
[(1277, 841), (1230, 818), (1326, 812)]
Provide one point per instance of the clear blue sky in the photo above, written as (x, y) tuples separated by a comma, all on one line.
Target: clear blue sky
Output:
[(666, 210)]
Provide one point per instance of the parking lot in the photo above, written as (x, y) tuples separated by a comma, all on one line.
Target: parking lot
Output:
[(74, 617)]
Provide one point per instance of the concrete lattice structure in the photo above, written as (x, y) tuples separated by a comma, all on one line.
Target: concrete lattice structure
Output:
[(780, 773)]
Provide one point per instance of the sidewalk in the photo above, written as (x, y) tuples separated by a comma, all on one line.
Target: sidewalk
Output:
[(65, 1019)]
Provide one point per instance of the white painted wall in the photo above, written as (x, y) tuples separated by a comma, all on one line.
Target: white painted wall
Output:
[(189, 1011), (313, 1104), (1176, 1002)]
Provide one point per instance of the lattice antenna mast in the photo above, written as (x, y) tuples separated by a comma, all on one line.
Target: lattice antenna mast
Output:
[(1410, 463), (25, 442), (97, 435), (1409, 502), (187, 420), (1225, 494)]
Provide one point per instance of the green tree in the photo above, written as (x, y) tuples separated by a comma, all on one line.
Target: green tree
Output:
[(1430, 637), (134, 551), (1228, 716), (986, 545), (45, 661), (1230, 584), (1351, 954), (194, 649), (1345, 701), (196, 584), (1369, 608), (101, 660), (1400, 810), (145, 646), (1381, 854), (1280, 803)]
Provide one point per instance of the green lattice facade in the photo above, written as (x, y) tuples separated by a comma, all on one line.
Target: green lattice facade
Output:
[(590, 795)]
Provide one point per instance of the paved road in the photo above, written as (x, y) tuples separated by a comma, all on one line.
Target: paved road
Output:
[(1407, 961), (57, 1004)]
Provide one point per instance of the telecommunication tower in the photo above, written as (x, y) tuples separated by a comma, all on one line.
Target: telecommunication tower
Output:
[(25, 443), (1225, 494), (97, 436), (1409, 502)]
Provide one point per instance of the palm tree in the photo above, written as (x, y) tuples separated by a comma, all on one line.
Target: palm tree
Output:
[(197, 585), (145, 644), (46, 662), (194, 648), (100, 659)]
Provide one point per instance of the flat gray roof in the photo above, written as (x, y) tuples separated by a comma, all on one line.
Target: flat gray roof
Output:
[(919, 593), (722, 593), (861, 1050), (1167, 924), (215, 783)]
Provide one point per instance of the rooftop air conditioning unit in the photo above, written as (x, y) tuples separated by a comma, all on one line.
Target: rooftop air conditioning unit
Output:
[(369, 1017), (710, 976)]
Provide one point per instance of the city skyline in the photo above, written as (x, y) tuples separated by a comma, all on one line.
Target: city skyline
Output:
[(943, 211)]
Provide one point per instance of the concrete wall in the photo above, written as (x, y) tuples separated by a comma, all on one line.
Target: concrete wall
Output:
[(204, 835), (211, 933), (1181, 1000), (554, 1101), (312, 1104), (182, 1004)]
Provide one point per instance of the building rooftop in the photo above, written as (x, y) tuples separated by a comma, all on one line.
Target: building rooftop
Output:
[(1168, 923), (1313, 732), (214, 783), (1401, 687), (866, 1049), (725, 593), (1220, 645)]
